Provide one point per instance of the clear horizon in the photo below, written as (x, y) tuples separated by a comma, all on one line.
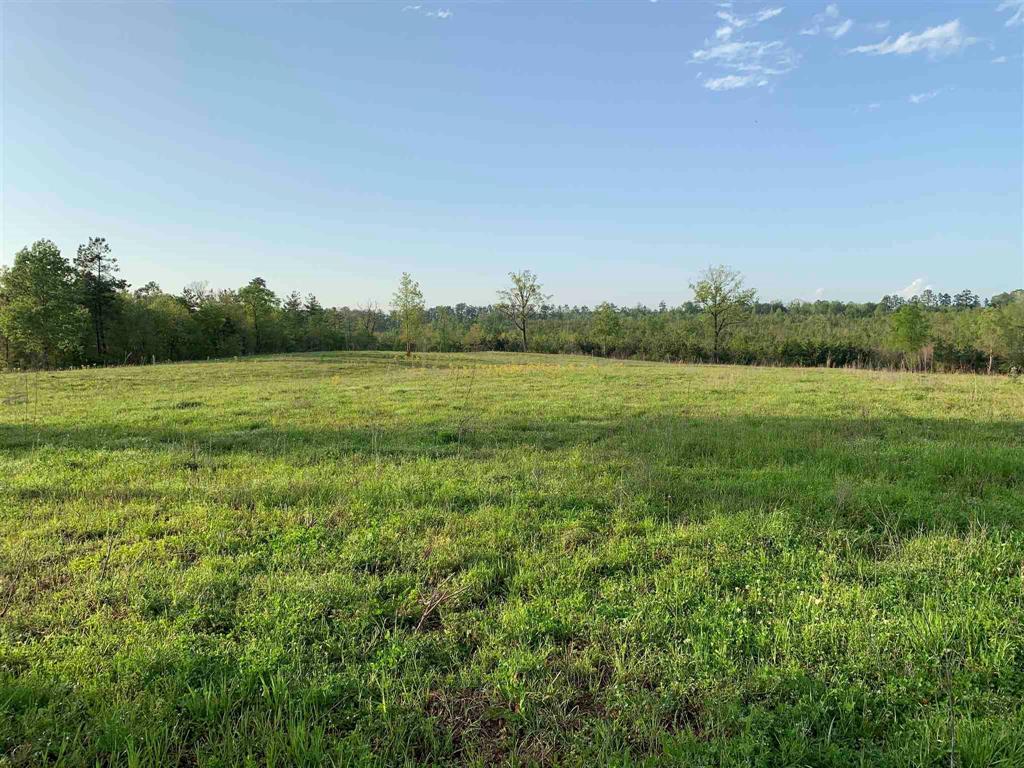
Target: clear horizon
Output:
[(840, 151)]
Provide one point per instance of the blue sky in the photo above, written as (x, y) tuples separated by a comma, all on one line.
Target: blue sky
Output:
[(615, 148)]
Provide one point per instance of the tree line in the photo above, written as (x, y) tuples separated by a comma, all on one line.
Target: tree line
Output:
[(56, 312)]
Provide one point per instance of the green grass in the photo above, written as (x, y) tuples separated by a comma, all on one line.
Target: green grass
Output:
[(349, 558)]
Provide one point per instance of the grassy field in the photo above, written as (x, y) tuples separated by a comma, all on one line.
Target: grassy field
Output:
[(350, 558)]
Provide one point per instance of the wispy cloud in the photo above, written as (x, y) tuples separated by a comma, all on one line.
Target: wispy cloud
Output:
[(840, 29), (772, 58), (916, 286), (739, 22), (731, 82), (764, 58), (920, 98), (872, 107), (999, 60), (440, 13), (935, 41), (820, 20), (1017, 6), (744, 63), (734, 22)]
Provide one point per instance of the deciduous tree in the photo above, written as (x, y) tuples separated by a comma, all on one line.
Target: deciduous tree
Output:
[(39, 308), (520, 301), (720, 294), (259, 302), (607, 326), (409, 308), (909, 329), (1011, 326)]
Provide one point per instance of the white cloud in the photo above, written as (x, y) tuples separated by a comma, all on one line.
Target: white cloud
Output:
[(768, 13), (438, 14), (916, 286), (771, 58), (920, 98), (739, 22), (731, 82), (831, 13), (1017, 6), (936, 41), (743, 63), (880, 26), (734, 22), (874, 105), (727, 17), (840, 29), (999, 60)]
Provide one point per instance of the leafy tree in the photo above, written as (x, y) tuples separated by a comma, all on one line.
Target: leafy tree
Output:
[(720, 294), (988, 333), (445, 326), (159, 327), (894, 302), (39, 310), (148, 291), (492, 325), (1011, 325), (1006, 298), (222, 318), (195, 294), (520, 301), (98, 286), (607, 326), (909, 329), (4, 341), (409, 308), (259, 301), (966, 299)]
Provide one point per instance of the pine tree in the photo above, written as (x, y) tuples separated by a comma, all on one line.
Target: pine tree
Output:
[(98, 286)]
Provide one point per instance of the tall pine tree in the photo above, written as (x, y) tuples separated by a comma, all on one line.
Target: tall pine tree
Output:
[(98, 286)]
